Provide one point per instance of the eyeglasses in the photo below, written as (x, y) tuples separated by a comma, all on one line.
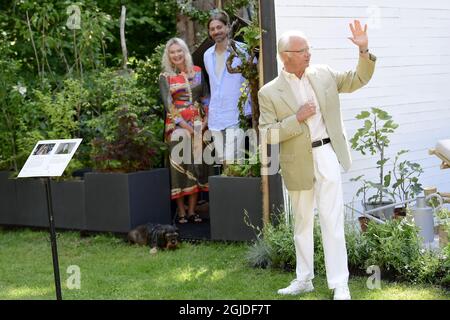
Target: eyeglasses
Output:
[(301, 51)]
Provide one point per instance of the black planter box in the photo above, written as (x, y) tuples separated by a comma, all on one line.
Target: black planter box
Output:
[(68, 204), (31, 197), (8, 203), (118, 202), (230, 196)]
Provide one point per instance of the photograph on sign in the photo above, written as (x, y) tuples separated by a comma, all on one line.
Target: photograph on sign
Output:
[(65, 148), (43, 149)]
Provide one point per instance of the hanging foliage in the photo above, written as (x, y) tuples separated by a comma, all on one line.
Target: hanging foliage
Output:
[(251, 36)]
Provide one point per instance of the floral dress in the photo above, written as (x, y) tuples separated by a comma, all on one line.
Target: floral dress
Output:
[(185, 99)]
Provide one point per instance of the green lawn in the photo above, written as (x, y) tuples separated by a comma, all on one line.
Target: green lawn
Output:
[(112, 269)]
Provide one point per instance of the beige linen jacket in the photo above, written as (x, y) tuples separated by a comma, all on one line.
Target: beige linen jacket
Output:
[(278, 110)]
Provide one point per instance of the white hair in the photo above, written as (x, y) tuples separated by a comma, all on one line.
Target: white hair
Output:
[(167, 65), (284, 41)]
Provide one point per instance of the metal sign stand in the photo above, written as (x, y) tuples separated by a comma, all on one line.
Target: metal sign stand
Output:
[(49, 158), (51, 221)]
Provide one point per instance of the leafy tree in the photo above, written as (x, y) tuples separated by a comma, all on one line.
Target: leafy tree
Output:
[(57, 80), (51, 48), (48, 47)]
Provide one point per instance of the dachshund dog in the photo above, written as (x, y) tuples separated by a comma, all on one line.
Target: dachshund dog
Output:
[(162, 236)]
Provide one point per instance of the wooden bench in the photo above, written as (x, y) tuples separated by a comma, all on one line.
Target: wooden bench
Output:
[(444, 165), (445, 162)]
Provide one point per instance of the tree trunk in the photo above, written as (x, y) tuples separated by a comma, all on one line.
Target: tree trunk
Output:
[(122, 37), (192, 32), (186, 30)]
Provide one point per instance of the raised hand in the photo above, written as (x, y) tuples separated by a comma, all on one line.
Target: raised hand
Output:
[(359, 35)]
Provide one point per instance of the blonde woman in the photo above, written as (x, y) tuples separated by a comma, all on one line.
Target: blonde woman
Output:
[(184, 93)]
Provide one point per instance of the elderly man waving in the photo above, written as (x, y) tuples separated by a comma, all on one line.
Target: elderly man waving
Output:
[(300, 110)]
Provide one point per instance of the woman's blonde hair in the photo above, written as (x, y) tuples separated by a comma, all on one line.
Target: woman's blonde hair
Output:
[(167, 66)]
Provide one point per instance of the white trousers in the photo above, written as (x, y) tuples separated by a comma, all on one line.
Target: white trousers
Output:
[(327, 195)]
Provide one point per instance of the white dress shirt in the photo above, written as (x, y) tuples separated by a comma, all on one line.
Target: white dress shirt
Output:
[(225, 91), (303, 92)]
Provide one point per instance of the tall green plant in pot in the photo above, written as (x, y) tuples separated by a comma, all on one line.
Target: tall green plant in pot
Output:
[(406, 183), (373, 139)]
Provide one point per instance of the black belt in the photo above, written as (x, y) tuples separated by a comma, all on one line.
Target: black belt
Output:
[(319, 143)]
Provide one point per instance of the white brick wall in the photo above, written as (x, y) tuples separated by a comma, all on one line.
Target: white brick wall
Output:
[(411, 39)]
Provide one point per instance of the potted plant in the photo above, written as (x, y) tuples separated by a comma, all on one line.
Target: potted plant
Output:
[(236, 194), (406, 182), (373, 138), (123, 192)]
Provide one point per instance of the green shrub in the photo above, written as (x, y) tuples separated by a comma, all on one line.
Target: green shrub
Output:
[(62, 110), (396, 248), (319, 256), (393, 246), (428, 268), (247, 167), (275, 248), (445, 281), (147, 77), (119, 92), (131, 149), (443, 216), (258, 255), (357, 255)]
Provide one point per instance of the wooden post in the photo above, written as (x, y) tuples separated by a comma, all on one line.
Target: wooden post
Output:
[(263, 137), (267, 72), (122, 37)]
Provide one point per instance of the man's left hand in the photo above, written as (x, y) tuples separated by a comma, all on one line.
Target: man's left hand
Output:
[(359, 35)]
